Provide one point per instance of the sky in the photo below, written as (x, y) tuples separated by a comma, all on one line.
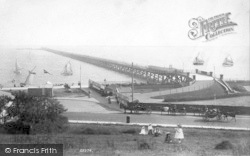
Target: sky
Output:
[(127, 28), (116, 22)]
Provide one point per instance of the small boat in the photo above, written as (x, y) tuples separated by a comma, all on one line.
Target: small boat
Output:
[(67, 70), (17, 68), (228, 62), (29, 78), (198, 60)]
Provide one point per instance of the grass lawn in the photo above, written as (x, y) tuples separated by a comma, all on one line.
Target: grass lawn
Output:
[(91, 139), (203, 94)]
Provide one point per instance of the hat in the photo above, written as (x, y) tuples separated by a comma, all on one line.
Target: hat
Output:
[(179, 125)]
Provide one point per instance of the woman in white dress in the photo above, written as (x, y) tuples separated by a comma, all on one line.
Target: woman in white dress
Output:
[(143, 131), (179, 133)]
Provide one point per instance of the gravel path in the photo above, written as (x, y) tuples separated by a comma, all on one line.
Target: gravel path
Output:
[(242, 121), (91, 106)]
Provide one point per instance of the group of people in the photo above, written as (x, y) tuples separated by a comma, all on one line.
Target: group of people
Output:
[(150, 130)]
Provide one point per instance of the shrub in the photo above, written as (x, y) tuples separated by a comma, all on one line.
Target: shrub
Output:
[(96, 131), (144, 146), (17, 127), (224, 145), (35, 114), (129, 131), (89, 131)]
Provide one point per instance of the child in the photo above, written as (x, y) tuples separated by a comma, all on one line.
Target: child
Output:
[(179, 133), (168, 138)]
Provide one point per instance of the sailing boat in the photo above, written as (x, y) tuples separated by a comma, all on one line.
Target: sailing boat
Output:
[(228, 62), (67, 69), (198, 60), (18, 68), (29, 78)]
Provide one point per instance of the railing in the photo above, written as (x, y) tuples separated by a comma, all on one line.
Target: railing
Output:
[(226, 84)]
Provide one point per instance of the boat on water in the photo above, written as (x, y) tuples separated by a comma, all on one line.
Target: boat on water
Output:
[(228, 62), (29, 78), (67, 69), (198, 60), (17, 68)]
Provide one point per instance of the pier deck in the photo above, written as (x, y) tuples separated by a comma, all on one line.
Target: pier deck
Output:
[(152, 74)]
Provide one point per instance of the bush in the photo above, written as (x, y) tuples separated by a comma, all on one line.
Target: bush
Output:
[(17, 127), (96, 131), (144, 146), (48, 126), (36, 114), (129, 131), (89, 131), (224, 145)]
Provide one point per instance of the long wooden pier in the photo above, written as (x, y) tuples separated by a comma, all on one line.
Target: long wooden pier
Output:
[(152, 74)]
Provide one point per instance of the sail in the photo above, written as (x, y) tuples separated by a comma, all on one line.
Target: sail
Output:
[(17, 68), (29, 79), (67, 69), (198, 60), (228, 62)]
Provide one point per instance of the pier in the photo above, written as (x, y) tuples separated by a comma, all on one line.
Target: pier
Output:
[(151, 74)]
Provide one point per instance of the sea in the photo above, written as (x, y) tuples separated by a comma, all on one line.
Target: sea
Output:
[(30, 58)]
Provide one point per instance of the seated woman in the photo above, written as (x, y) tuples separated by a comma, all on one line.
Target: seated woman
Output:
[(143, 131), (150, 130), (157, 132)]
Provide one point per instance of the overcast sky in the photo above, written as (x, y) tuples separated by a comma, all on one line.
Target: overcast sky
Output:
[(116, 22)]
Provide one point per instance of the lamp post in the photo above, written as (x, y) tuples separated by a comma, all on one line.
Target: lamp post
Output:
[(214, 99), (80, 77), (132, 82)]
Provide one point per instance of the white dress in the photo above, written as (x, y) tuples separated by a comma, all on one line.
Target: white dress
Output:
[(143, 131), (179, 133)]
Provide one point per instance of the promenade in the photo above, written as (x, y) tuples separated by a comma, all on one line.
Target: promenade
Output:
[(91, 110)]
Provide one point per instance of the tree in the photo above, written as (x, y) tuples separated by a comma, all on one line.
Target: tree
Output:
[(4, 100), (42, 114)]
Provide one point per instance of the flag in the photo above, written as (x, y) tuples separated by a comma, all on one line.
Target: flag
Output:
[(46, 72)]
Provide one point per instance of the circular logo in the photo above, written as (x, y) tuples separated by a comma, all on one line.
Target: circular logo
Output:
[(7, 150)]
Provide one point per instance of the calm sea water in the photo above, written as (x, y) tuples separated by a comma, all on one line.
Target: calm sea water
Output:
[(181, 57)]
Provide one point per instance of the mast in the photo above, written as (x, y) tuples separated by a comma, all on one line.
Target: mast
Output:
[(16, 66)]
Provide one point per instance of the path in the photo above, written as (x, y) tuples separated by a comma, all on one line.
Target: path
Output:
[(242, 121), (92, 111)]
